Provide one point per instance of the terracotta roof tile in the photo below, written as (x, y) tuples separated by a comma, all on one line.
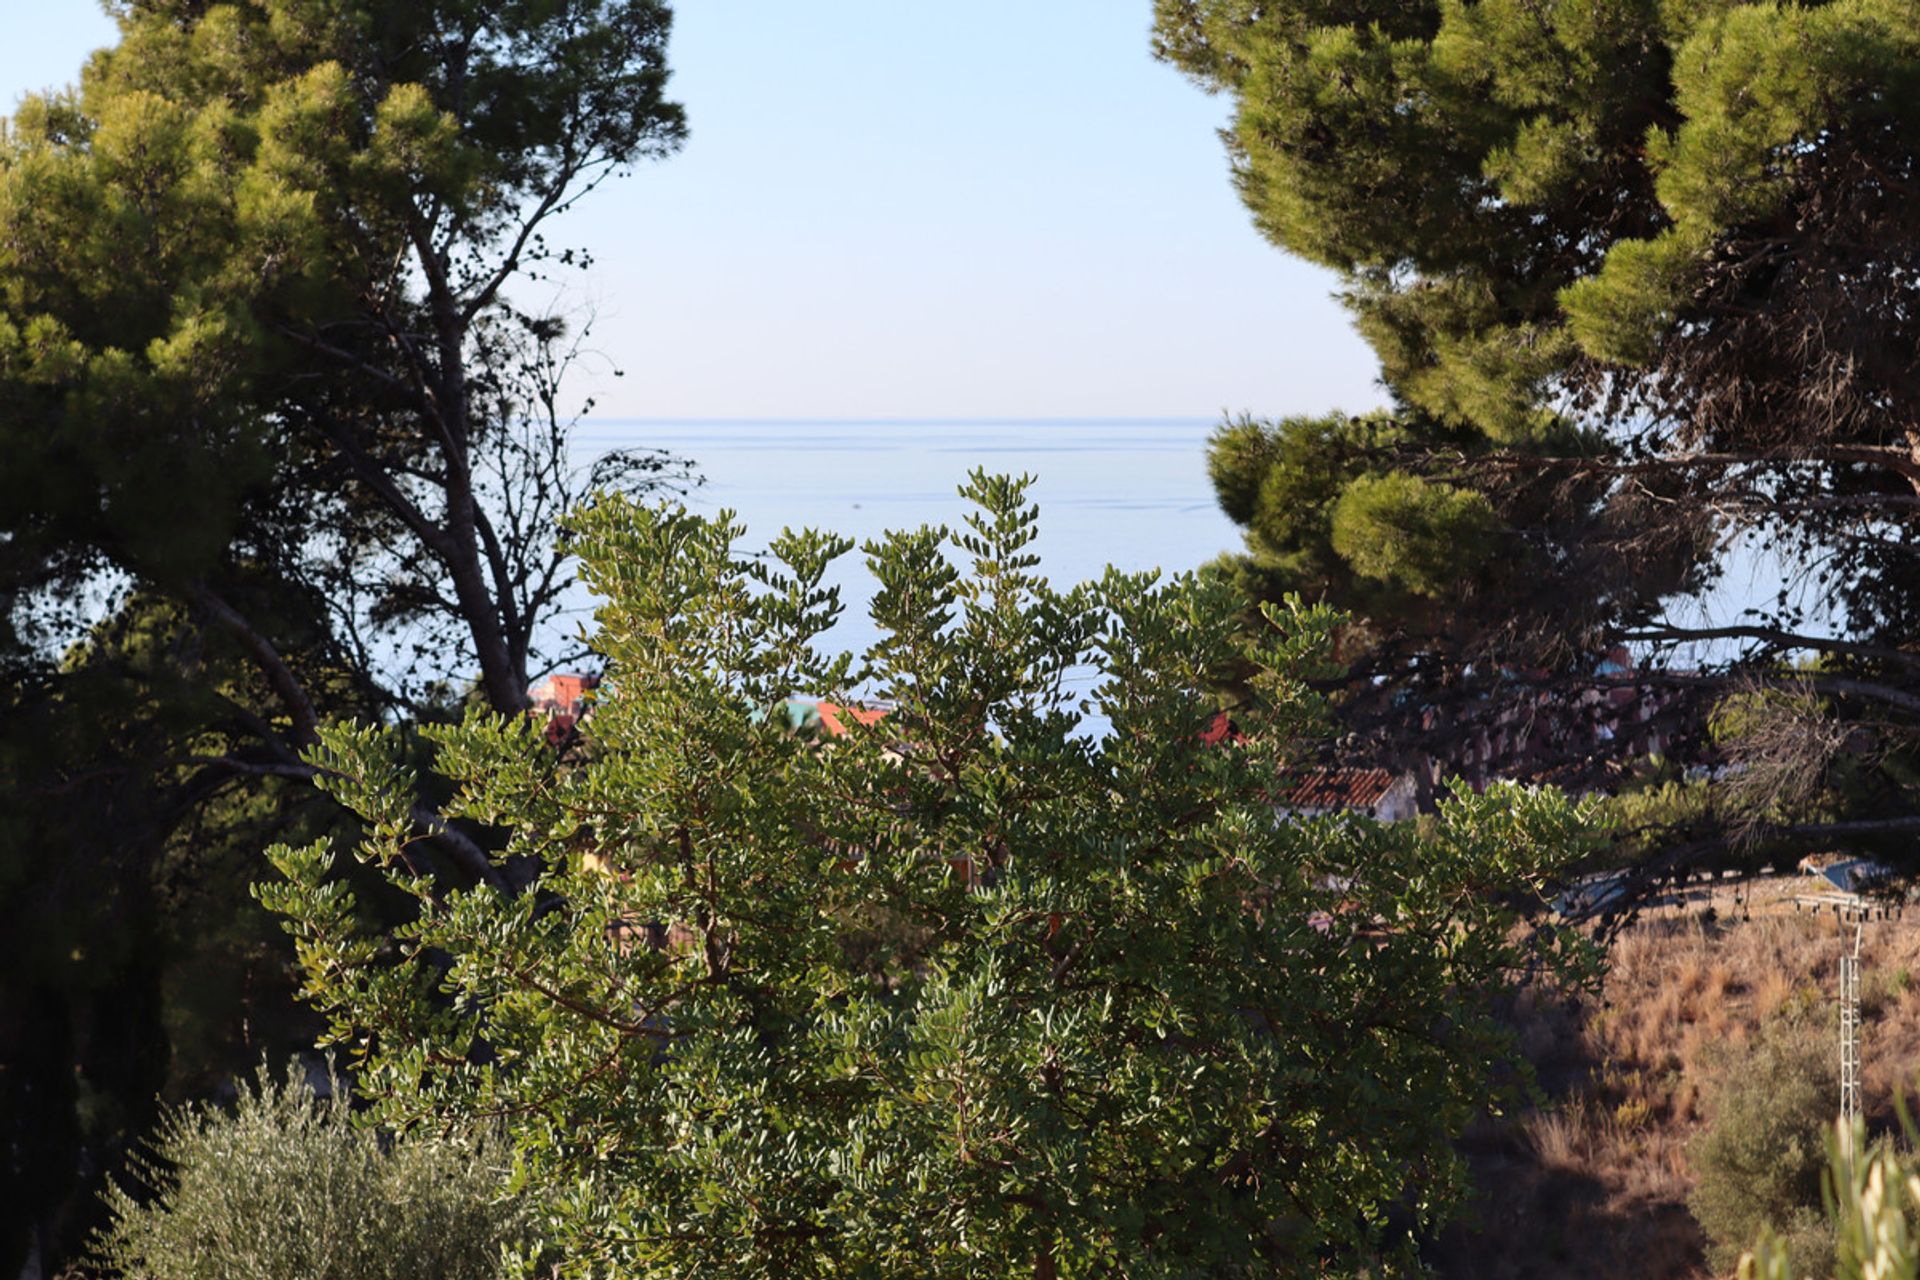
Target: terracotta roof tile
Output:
[(1339, 788)]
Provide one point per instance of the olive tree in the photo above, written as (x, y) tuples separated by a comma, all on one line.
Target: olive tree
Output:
[(288, 1187)]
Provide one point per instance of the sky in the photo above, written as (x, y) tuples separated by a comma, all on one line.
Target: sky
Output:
[(1003, 209)]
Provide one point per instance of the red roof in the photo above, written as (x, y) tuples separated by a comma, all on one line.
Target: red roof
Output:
[(1220, 730), (1339, 788), (830, 713)]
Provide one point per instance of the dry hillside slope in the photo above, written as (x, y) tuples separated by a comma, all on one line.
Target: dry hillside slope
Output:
[(1595, 1184)]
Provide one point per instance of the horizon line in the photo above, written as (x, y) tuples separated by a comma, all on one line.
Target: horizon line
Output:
[(712, 420)]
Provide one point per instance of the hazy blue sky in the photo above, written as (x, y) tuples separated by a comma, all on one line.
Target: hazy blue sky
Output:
[(1002, 208)]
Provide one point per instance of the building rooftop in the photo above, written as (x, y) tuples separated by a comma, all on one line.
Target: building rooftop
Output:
[(1339, 788)]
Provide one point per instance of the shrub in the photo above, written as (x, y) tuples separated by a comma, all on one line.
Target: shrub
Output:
[(1760, 1158), (964, 991), (287, 1187), (1874, 1211)]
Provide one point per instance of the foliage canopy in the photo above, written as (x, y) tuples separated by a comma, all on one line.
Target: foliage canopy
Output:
[(283, 443), (1641, 275), (288, 1187), (967, 987), (1761, 1156)]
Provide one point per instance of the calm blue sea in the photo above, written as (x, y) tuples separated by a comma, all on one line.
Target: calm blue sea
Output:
[(1130, 493)]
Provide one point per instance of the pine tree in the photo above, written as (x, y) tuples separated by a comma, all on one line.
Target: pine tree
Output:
[(1641, 276), (280, 445)]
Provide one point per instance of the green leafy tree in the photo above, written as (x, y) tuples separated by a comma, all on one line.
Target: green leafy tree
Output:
[(1639, 274), (281, 445), (971, 989), (264, 257)]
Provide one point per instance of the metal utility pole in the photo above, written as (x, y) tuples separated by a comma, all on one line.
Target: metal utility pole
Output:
[(1850, 1031), (1848, 908)]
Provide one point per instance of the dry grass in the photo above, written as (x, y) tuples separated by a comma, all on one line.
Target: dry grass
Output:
[(1595, 1183)]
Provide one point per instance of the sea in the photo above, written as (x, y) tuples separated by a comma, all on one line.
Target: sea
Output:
[(1130, 493)]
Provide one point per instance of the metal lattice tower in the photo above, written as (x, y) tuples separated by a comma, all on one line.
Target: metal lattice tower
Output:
[(1850, 1031)]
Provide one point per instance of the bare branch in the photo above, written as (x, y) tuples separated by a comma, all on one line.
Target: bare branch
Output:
[(287, 686), (1773, 635)]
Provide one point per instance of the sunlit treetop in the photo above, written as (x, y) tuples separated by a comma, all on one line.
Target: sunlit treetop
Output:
[(1521, 193)]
